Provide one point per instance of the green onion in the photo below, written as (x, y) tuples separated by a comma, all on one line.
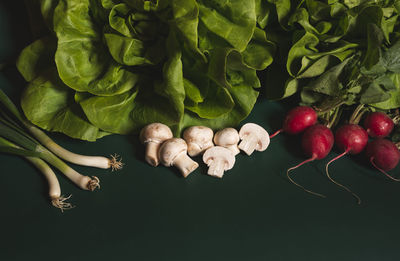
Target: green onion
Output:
[(57, 200), (114, 162), (42, 151)]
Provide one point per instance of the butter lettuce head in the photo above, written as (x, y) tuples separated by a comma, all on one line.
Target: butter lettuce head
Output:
[(114, 66)]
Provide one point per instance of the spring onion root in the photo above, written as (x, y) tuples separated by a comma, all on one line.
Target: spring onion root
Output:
[(115, 162), (61, 204), (57, 200), (91, 161)]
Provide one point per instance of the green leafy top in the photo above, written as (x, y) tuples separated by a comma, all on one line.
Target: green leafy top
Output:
[(114, 66)]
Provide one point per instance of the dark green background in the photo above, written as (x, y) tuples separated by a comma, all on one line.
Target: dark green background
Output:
[(146, 213)]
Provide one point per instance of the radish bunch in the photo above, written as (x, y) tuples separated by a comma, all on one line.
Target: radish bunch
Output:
[(383, 154), (350, 138), (317, 140)]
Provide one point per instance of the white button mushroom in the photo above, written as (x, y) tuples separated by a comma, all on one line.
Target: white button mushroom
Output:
[(254, 137), (198, 139), (173, 153), (152, 136), (218, 159), (228, 138)]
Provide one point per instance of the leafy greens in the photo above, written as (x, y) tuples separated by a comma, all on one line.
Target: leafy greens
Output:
[(341, 52), (113, 66)]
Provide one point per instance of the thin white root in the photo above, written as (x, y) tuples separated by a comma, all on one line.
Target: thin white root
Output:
[(116, 162), (93, 183), (60, 203)]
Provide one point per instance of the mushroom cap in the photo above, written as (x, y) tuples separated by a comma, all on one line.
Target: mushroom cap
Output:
[(218, 152), (227, 136), (155, 132), (198, 134), (170, 149), (259, 132)]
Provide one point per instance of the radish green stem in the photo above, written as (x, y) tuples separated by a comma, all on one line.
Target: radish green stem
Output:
[(396, 119), (357, 114), (84, 182), (329, 106), (291, 180), (57, 200), (381, 170), (334, 118), (337, 183), (92, 161)]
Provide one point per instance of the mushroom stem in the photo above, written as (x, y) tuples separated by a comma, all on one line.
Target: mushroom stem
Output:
[(234, 148), (185, 164), (248, 144), (194, 149), (216, 167), (151, 153)]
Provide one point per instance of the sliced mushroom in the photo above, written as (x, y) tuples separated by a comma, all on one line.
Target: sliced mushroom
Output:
[(228, 138), (173, 152), (198, 139), (254, 137), (152, 136), (218, 159)]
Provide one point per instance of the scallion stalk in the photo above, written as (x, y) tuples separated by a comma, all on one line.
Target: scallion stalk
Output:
[(82, 181), (57, 200), (114, 162)]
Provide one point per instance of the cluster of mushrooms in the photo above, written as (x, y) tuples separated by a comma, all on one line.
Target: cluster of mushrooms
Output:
[(218, 150)]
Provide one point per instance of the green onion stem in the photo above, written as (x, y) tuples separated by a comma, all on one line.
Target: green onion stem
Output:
[(82, 181), (92, 161), (11, 134), (57, 200)]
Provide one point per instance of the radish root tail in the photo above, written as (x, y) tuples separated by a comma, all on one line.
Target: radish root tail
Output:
[(116, 162), (300, 186), (337, 183), (93, 183), (275, 133), (61, 203), (381, 170)]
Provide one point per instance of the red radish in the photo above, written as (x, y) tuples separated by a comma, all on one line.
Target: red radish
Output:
[(297, 120), (317, 142), (378, 124), (351, 139), (383, 155)]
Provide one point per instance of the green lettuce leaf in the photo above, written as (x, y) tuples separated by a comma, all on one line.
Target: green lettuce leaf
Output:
[(49, 104)]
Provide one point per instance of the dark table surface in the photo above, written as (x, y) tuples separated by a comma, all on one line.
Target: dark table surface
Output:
[(147, 213)]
